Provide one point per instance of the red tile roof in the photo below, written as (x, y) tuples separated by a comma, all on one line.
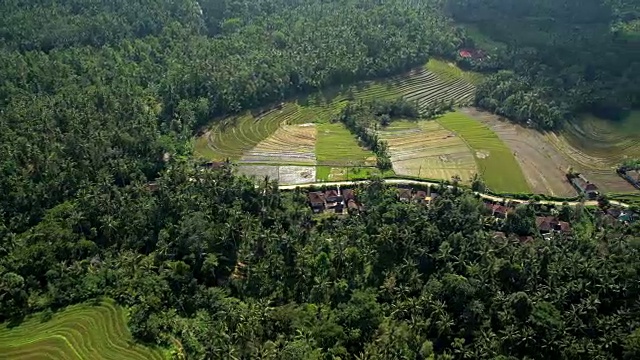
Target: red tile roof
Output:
[(500, 209), (549, 223), (543, 223), (331, 193), (465, 53), (351, 204), (316, 197), (348, 194)]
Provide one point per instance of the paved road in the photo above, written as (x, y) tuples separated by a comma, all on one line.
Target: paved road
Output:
[(418, 182)]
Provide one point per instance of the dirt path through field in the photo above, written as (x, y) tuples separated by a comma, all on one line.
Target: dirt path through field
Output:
[(543, 166)]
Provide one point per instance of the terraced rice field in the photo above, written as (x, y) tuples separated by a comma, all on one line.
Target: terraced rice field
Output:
[(450, 72), (289, 144), (336, 146), (597, 146), (496, 162), (543, 166), (426, 149), (79, 332), (273, 138), (232, 137)]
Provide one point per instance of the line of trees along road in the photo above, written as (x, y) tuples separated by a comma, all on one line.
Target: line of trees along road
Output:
[(95, 94)]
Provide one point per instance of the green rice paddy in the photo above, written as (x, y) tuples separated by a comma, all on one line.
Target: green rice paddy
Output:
[(336, 146), (79, 332), (496, 162)]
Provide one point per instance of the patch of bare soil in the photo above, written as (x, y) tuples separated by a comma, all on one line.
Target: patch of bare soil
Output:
[(482, 154), (543, 165), (284, 174)]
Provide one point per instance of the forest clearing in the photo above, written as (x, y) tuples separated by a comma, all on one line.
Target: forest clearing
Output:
[(79, 332), (284, 135)]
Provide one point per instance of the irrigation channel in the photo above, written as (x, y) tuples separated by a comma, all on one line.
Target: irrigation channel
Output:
[(429, 183)]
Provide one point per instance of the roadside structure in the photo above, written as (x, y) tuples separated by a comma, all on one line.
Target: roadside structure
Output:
[(317, 201), (584, 186), (631, 175), (551, 225)]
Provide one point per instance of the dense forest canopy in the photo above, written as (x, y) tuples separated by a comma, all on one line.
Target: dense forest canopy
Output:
[(98, 98), (86, 114), (567, 57)]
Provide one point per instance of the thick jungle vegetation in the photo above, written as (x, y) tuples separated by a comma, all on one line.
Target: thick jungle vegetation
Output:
[(98, 197), (559, 57)]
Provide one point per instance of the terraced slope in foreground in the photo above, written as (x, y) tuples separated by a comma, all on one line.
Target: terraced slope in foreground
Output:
[(251, 140), (79, 332)]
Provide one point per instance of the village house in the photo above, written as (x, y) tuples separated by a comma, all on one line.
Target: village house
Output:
[(420, 197), (468, 53), (333, 200), (352, 205), (317, 201), (348, 194), (623, 216), (551, 225), (616, 216), (332, 196), (497, 210), (349, 199), (614, 212), (584, 186), (628, 217), (405, 194)]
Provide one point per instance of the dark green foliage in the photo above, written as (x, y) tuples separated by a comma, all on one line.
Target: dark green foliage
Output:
[(512, 96), (79, 115), (98, 103), (229, 268), (631, 164), (364, 118), (564, 55), (477, 184)]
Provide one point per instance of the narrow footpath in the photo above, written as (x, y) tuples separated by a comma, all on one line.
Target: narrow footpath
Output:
[(419, 182)]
